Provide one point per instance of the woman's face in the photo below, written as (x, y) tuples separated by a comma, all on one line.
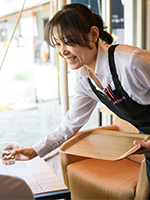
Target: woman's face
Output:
[(76, 55)]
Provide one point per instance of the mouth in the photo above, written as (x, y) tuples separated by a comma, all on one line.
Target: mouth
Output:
[(70, 59)]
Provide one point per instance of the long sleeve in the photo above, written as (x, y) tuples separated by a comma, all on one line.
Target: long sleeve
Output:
[(78, 114)]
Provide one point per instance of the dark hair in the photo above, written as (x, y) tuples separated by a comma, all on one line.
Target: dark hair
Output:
[(73, 23)]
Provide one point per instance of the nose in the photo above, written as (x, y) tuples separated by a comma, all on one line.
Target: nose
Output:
[(63, 49)]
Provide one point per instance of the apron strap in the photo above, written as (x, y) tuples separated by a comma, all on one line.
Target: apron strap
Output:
[(112, 61), (112, 69)]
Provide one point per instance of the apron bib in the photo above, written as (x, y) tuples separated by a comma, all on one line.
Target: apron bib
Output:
[(122, 105)]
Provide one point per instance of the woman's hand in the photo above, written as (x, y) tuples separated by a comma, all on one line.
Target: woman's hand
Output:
[(24, 154), (145, 146)]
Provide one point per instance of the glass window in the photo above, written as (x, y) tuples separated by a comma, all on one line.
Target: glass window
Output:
[(118, 21), (29, 106), (95, 5)]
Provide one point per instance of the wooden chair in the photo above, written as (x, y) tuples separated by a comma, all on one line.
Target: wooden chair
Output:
[(89, 178)]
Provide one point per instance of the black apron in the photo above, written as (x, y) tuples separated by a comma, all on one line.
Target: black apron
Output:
[(123, 106)]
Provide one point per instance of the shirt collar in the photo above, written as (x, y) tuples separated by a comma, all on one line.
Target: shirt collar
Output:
[(84, 72), (102, 67)]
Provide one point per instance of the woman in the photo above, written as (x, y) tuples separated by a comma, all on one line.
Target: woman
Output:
[(121, 82)]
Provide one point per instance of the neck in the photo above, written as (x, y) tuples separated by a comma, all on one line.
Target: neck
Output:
[(91, 69), (92, 65)]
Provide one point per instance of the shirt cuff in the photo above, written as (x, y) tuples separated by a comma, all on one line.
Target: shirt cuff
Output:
[(40, 148)]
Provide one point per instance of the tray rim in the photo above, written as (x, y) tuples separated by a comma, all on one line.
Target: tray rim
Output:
[(86, 133)]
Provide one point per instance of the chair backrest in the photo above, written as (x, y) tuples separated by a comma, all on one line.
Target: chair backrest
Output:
[(14, 188), (125, 126)]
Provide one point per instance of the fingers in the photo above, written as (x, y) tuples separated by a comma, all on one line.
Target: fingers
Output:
[(24, 154), (18, 154), (137, 142), (18, 151), (144, 146)]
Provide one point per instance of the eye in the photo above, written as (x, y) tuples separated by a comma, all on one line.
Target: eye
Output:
[(68, 43), (56, 42)]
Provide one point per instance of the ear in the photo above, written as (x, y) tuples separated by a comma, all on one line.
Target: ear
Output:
[(94, 33)]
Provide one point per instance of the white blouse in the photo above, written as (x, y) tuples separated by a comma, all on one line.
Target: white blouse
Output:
[(133, 69)]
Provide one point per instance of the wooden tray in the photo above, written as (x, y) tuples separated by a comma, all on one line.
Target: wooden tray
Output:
[(103, 144)]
